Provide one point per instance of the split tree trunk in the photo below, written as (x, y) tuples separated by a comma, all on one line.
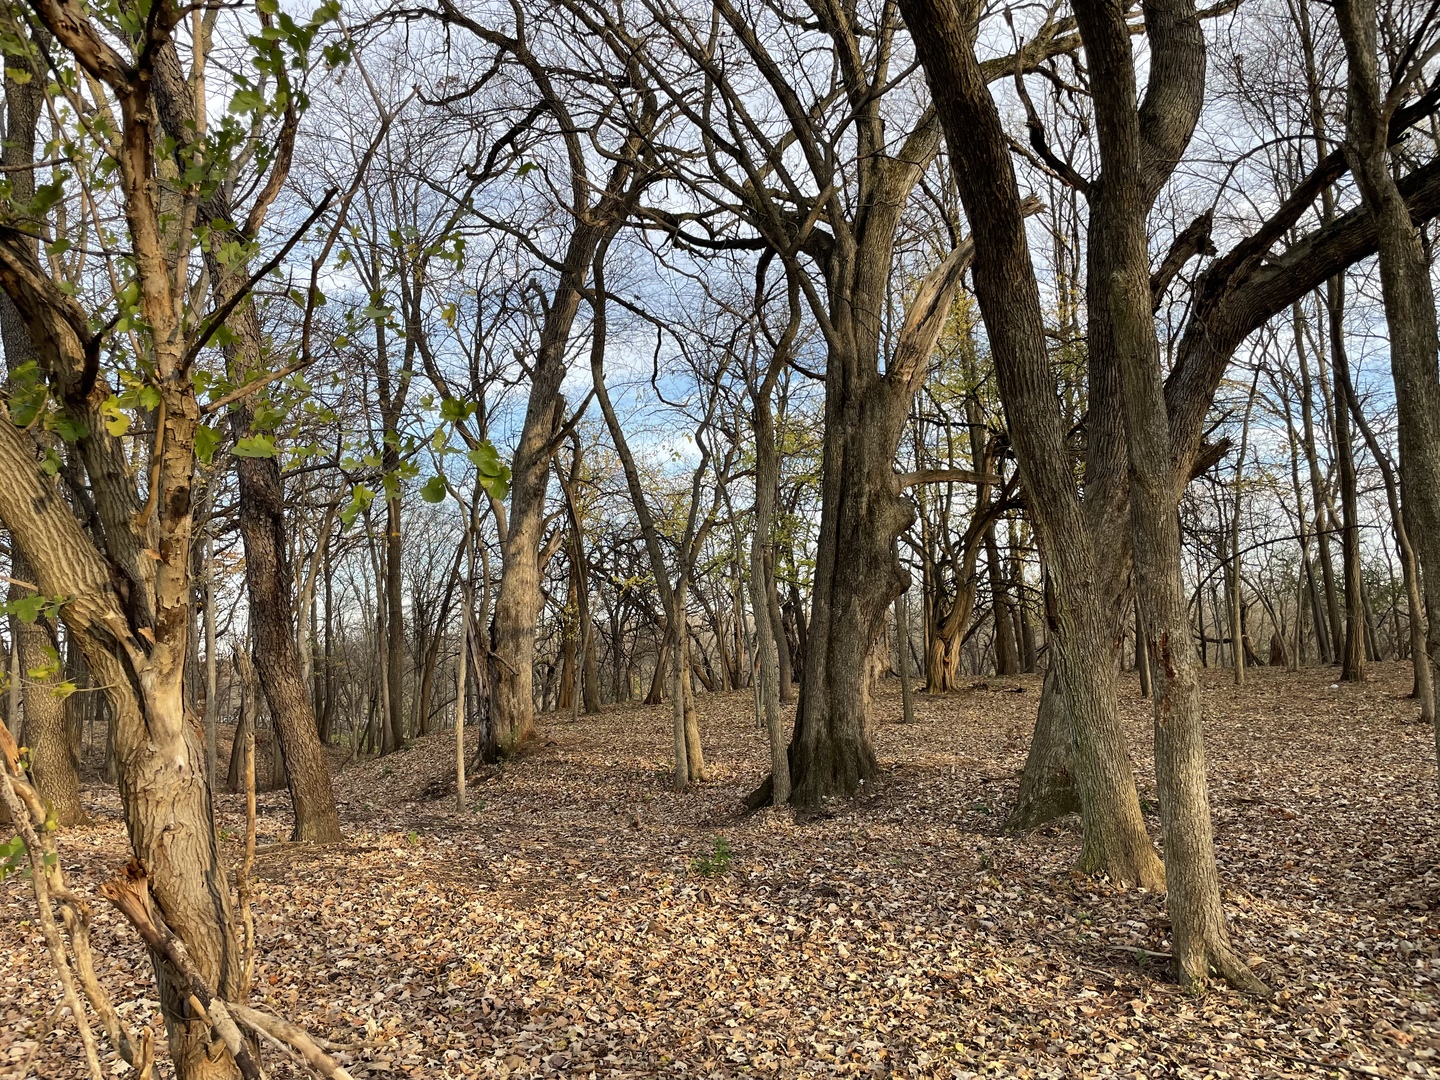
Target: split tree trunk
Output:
[(1409, 303), (1083, 661), (1123, 196)]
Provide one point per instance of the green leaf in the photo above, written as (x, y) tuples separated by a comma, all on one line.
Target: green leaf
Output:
[(68, 428), (117, 422), (453, 411), (360, 497), (247, 101), (27, 609), (206, 440), (433, 490), (254, 446)]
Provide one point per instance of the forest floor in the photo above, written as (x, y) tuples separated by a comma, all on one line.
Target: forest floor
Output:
[(581, 917)]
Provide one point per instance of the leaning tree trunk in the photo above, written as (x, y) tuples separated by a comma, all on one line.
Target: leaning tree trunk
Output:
[(161, 760), (1201, 939), (517, 605), (52, 760), (1409, 305), (1085, 663)]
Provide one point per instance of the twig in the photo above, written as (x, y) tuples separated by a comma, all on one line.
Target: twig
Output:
[(285, 1032), (242, 876), (130, 893), (20, 816), (1149, 954)]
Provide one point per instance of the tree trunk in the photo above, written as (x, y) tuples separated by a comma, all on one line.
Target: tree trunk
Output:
[(1047, 786), (47, 734), (1125, 192), (161, 760), (261, 503), (1329, 640), (47, 731), (774, 666), (1142, 653), (1084, 662), (1352, 656), (1409, 303)]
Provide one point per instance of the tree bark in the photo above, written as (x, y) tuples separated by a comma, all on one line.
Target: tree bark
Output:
[(52, 758), (1409, 300), (1128, 131), (770, 652), (261, 503), (1352, 656), (1085, 664)]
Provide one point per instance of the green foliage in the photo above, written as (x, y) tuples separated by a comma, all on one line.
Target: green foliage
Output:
[(254, 446), (206, 440), (494, 474), (715, 862), (433, 490), (29, 608), (14, 857)]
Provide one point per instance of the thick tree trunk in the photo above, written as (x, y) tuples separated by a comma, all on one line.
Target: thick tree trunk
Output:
[(1047, 786), (1123, 198), (1409, 304), (161, 759), (52, 756), (1084, 661), (517, 605), (267, 581), (47, 729)]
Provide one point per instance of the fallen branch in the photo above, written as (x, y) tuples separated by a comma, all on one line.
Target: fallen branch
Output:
[(242, 875), (130, 893), (296, 1038)]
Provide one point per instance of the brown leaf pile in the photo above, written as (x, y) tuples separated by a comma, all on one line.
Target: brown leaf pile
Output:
[(583, 919)]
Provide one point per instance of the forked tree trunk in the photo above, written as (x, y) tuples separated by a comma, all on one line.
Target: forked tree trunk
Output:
[(1084, 662), (161, 760), (1409, 303), (1123, 199)]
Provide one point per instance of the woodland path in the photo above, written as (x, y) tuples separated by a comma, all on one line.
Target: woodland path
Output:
[(568, 923)]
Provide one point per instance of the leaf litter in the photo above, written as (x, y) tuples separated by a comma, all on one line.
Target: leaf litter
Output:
[(582, 918)]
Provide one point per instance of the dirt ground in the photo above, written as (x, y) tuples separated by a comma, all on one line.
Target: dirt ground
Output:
[(582, 918)]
